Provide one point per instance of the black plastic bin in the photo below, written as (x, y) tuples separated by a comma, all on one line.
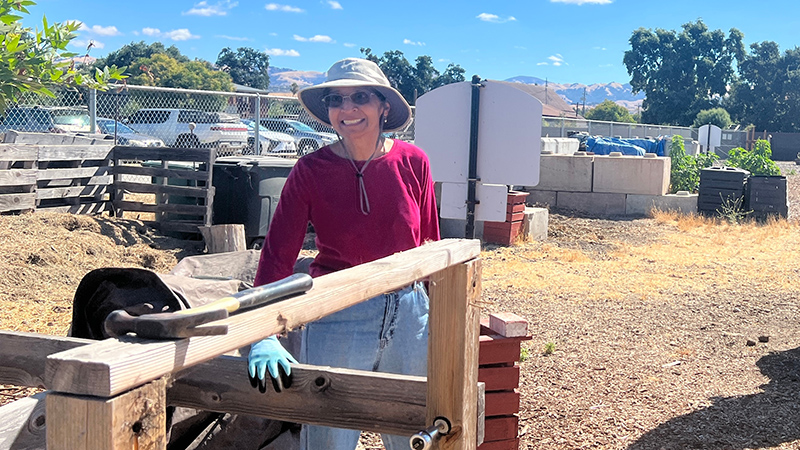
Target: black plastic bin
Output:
[(247, 189), (720, 186), (766, 195)]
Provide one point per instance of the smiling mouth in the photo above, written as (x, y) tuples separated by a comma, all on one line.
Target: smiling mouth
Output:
[(352, 122)]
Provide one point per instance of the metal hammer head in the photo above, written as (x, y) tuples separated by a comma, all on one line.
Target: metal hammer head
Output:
[(165, 325)]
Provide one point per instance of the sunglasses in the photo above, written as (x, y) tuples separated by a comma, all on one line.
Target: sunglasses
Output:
[(336, 100)]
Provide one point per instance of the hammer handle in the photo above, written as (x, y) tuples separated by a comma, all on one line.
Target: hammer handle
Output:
[(257, 296)]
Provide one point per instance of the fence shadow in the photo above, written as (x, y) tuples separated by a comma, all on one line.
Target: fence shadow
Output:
[(761, 420)]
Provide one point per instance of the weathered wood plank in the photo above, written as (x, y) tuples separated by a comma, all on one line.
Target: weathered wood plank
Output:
[(370, 401), (164, 153), (17, 202), (113, 366), (16, 152), (168, 208), (186, 191), (68, 174), (200, 175), (101, 180), (17, 177), (72, 191), (74, 152), (20, 137), (94, 207), (453, 352), (136, 419), (22, 424)]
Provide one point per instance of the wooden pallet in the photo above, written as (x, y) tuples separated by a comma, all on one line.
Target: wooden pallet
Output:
[(74, 178), (17, 178), (183, 198)]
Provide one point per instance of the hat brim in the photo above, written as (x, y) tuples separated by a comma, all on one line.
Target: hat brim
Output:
[(399, 110)]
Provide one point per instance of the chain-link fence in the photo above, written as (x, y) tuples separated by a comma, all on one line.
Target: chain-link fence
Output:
[(230, 121)]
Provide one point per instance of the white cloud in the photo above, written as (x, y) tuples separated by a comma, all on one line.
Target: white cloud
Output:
[(206, 10), (273, 34), (281, 52), (335, 5), (349, 45), (410, 42), (232, 38), (542, 64), (581, 2), (599, 48), (284, 8), (103, 31), (556, 60), (317, 38), (494, 18), (96, 29), (442, 60), (181, 34)]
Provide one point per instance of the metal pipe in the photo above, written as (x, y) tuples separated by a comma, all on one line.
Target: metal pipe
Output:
[(257, 136), (472, 180), (93, 111)]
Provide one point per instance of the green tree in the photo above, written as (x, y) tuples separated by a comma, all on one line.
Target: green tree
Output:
[(165, 71), (246, 66), (682, 73), (611, 112), (767, 93), (407, 78), (714, 116), (29, 59), (129, 54)]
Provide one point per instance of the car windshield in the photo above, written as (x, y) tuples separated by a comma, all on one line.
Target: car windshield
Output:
[(300, 126), (107, 127), (75, 119)]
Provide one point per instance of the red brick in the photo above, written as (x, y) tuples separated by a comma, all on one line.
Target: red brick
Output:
[(499, 378), (503, 227), (498, 350), (508, 324), (515, 217), (501, 428), (502, 403), (515, 197), (508, 444), (515, 208)]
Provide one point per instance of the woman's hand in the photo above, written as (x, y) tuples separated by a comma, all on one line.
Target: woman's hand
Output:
[(269, 355)]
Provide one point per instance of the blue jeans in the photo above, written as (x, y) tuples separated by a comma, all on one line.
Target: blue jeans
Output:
[(387, 333)]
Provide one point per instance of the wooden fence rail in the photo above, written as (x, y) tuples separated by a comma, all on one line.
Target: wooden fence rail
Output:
[(91, 178), (114, 383)]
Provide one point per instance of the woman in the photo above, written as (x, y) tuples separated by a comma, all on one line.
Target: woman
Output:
[(367, 197)]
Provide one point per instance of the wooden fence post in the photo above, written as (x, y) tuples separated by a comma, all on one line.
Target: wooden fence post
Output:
[(453, 352), (133, 420)]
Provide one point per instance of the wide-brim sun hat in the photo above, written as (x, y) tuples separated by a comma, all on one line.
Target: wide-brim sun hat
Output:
[(357, 72)]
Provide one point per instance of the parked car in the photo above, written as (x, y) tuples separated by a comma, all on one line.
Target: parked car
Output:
[(44, 119), (126, 135), (172, 125), (269, 141), (308, 139)]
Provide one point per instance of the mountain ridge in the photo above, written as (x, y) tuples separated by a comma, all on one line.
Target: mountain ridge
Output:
[(281, 80)]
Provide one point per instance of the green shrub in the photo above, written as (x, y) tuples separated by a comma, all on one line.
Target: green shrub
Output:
[(757, 162), (685, 169)]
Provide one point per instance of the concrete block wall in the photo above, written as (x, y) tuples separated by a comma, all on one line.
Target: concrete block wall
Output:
[(559, 146), (617, 174), (607, 185)]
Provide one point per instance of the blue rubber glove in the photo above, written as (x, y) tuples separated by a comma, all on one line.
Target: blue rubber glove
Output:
[(269, 355)]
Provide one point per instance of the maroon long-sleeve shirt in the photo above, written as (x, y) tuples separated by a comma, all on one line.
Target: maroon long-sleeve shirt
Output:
[(323, 188)]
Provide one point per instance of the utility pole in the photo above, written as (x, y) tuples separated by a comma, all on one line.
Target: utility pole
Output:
[(545, 91), (584, 102)]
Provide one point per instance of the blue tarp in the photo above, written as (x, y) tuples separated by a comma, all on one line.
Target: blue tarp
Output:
[(604, 146)]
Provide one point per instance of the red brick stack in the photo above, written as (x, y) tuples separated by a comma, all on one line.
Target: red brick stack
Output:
[(498, 368), (506, 233)]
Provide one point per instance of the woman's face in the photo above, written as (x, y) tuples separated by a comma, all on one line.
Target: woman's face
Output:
[(352, 120)]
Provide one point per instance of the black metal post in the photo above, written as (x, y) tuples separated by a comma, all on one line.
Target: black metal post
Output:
[(708, 138), (472, 180)]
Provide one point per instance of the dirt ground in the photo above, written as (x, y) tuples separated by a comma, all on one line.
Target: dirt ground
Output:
[(670, 332)]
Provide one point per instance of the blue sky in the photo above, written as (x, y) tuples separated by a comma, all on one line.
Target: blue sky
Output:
[(566, 41)]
